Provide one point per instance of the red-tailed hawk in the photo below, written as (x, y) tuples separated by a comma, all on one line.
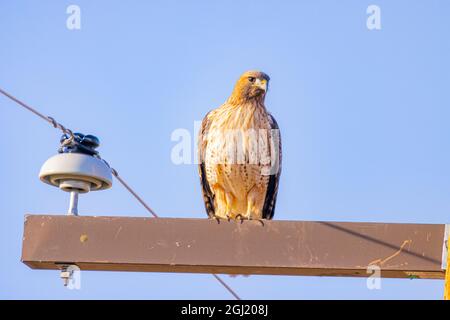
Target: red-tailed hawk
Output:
[(240, 154)]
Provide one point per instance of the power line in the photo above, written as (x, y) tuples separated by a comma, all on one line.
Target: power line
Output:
[(57, 125), (138, 198), (40, 115), (226, 286)]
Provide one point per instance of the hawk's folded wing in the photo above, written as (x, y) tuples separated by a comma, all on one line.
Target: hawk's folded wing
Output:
[(272, 187), (208, 196)]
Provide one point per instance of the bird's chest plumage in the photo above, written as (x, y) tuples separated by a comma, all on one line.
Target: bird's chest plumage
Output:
[(237, 141)]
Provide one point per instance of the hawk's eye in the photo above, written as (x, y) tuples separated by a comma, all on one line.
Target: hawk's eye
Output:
[(251, 79)]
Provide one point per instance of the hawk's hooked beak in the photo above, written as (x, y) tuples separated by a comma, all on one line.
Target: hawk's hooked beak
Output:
[(262, 84)]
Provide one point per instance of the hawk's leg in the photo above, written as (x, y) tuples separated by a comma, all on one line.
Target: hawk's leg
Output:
[(255, 203), (219, 202), (240, 217), (261, 221), (229, 199), (216, 218), (223, 202)]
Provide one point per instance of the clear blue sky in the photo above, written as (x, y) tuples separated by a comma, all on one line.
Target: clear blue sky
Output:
[(363, 116)]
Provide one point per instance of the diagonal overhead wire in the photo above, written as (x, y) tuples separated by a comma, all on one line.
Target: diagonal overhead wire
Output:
[(58, 125), (138, 198)]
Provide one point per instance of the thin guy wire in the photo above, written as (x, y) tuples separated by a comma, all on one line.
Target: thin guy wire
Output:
[(226, 286), (138, 198), (57, 125), (40, 115)]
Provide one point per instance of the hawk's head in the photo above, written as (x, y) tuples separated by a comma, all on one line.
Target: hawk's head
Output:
[(251, 85)]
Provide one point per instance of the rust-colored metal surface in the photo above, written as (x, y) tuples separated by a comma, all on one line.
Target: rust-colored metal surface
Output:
[(204, 246)]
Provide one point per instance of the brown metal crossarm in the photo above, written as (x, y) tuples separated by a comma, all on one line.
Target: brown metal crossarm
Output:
[(204, 246)]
